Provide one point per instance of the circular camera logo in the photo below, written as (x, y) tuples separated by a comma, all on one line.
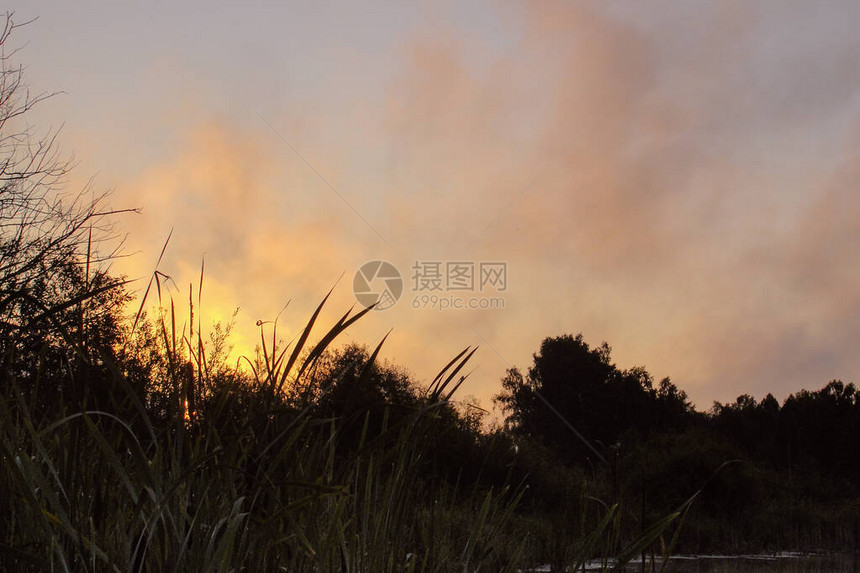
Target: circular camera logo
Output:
[(377, 282)]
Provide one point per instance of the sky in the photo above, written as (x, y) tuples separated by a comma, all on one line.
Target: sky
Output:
[(676, 179)]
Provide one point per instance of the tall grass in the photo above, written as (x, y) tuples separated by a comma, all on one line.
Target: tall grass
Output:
[(210, 471), (233, 476)]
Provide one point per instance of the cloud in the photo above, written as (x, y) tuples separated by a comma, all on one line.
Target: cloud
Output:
[(678, 183), (675, 226), (223, 197)]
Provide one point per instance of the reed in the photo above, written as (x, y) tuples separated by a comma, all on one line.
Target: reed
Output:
[(210, 469)]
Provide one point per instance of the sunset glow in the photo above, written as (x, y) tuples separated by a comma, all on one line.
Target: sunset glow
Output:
[(679, 181)]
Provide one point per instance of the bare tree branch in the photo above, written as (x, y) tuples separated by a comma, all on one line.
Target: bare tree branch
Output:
[(44, 229)]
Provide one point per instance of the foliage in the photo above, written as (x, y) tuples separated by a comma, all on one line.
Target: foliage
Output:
[(572, 384), (790, 481)]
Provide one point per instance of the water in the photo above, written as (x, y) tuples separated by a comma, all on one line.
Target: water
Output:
[(780, 563)]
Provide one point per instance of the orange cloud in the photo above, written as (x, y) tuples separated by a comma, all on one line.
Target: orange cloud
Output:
[(654, 183)]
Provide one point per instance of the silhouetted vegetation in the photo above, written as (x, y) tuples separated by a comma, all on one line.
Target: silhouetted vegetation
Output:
[(130, 443), (793, 481)]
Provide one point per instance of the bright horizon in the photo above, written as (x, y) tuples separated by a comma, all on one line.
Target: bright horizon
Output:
[(677, 182)]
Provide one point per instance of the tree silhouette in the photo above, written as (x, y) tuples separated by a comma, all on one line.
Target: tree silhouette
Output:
[(573, 383), (58, 304)]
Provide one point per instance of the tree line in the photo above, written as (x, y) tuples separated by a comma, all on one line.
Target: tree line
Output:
[(769, 475)]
